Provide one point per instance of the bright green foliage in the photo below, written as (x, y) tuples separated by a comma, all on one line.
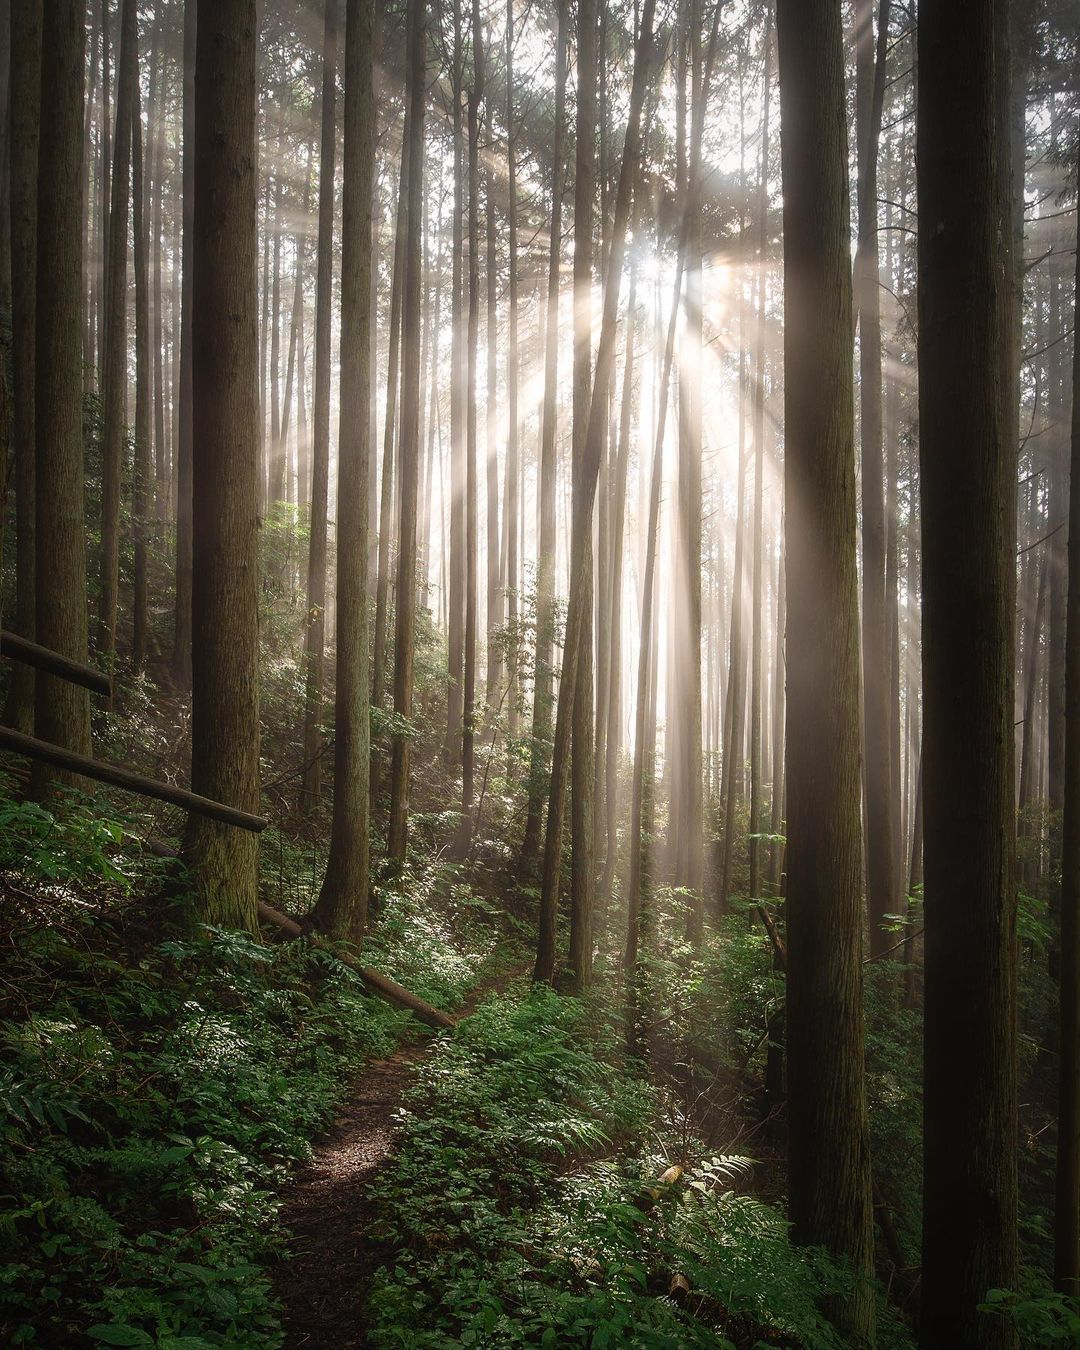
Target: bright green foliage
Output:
[(1044, 1318), (518, 1209), (154, 1091)]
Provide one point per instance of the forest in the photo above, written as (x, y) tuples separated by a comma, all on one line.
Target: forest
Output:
[(540, 674)]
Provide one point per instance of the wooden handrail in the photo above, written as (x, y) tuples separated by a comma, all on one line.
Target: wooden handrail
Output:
[(18, 648), (130, 781)]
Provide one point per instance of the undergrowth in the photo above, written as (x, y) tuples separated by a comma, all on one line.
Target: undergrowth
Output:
[(526, 1206), (158, 1083)]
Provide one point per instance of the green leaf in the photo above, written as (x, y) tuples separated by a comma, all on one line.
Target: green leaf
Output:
[(118, 1333)]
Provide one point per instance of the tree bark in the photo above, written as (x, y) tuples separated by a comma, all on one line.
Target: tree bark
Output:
[(343, 901), (1067, 1206), (315, 631), (26, 21), (144, 450), (967, 470), (757, 695), (468, 728), (545, 561), (582, 768), (181, 659), (881, 897), (544, 967), (115, 362), (829, 1198), (409, 435), (455, 699), (61, 710), (225, 440)]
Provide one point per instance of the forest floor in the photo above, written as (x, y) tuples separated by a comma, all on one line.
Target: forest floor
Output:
[(323, 1281), (327, 1208)]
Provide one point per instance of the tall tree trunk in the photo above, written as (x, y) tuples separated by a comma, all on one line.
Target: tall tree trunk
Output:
[(315, 631), (115, 363), (26, 21), (455, 589), (776, 851), (144, 469), (1067, 1207), (618, 521), (967, 467), (343, 900), (181, 659), (757, 695), (638, 900), (468, 728), (104, 189), (61, 710), (409, 435), (881, 895), (157, 245), (386, 488), (545, 561), (225, 402), (513, 467), (582, 880), (829, 1197), (579, 600), (495, 589)]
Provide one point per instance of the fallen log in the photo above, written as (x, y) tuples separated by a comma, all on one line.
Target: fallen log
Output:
[(386, 988), (380, 985), (29, 653), (117, 776)]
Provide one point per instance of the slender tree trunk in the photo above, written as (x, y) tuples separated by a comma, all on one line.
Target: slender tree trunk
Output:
[(757, 695), (468, 728), (115, 362), (157, 244), (582, 767), (1067, 1208), (638, 900), (144, 468), (967, 473), (409, 434), (225, 401), (829, 1196), (495, 585), (276, 466), (545, 562), (89, 216), (315, 632), (61, 710), (880, 855), (104, 189), (455, 589), (776, 851), (386, 489), (343, 901), (181, 660), (26, 21), (513, 466), (579, 599), (618, 523)]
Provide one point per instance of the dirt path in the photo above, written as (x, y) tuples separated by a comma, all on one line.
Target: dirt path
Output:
[(326, 1208)]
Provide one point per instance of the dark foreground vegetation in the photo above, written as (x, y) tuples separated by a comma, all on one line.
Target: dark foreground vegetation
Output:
[(539, 674)]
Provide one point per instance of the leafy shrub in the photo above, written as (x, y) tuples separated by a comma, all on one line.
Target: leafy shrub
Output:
[(523, 1206)]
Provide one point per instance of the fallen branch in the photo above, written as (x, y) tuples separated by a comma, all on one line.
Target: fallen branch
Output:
[(29, 653), (379, 984), (117, 776)]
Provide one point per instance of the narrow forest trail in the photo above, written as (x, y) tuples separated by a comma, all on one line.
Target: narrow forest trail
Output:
[(327, 1208)]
